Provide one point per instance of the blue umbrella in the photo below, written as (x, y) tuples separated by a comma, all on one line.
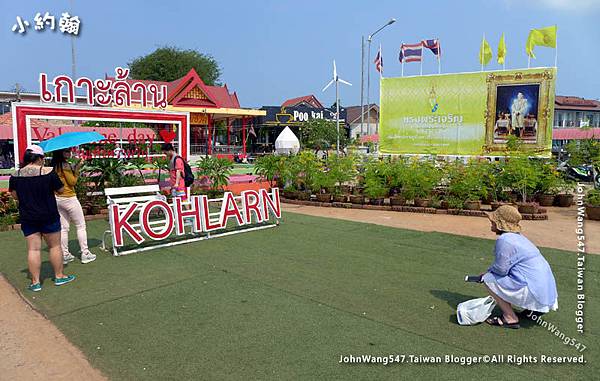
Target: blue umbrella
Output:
[(70, 139)]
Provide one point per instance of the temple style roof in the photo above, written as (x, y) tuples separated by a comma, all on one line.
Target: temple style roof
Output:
[(191, 91)]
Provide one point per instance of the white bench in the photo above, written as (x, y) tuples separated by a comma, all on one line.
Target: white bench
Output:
[(126, 195)]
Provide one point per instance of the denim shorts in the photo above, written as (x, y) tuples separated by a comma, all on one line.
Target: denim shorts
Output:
[(30, 228)]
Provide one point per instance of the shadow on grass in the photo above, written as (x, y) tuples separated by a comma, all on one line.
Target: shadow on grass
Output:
[(46, 272), (454, 299)]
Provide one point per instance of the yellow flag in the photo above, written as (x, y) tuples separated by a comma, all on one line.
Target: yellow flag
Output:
[(485, 52), (540, 37), (501, 50)]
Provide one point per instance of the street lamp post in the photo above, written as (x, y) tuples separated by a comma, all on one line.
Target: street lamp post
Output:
[(369, 39)]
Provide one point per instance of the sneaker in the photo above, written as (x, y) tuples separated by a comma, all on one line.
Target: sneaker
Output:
[(68, 258), (35, 287), (65, 280), (88, 257)]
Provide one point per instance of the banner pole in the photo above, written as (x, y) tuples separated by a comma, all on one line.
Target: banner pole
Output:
[(421, 70), (556, 48)]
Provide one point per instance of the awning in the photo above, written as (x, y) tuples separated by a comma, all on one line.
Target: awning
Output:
[(575, 133), (369, 138)]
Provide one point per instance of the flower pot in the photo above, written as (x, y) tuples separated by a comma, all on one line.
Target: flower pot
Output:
[(376, 201), (324, 197), (472, 205), (546, 199), (421, 202), (528, 208), (513, 197), (303, 196), (593, 212), (564, 200), (340, 198), (289, 194), (487, 200), (397, 201), (444, 204), (357, 199)]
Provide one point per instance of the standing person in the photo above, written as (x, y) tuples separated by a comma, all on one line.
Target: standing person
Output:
[(33, 185), (69, 207), (520, 276), (176, 171)]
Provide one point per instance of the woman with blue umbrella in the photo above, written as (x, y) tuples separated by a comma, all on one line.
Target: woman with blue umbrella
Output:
[(69, 207)]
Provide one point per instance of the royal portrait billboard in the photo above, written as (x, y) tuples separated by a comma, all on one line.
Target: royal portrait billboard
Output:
[(468, 113)]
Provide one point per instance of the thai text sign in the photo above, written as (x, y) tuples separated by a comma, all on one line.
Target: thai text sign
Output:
[(104, 92), (468, 113), (200, 214)]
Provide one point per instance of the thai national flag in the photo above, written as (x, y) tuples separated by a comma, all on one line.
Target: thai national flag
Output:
[(379, 61), (411, 52), (434, 46)]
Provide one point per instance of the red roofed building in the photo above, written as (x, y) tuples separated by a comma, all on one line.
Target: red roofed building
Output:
[(307, 100), (218, 123), (575, 118)]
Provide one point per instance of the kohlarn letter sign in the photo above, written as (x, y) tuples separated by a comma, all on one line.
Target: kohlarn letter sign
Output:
[(252, 210)]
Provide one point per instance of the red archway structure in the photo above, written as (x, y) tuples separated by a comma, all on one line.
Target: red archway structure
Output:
[(23, 113)]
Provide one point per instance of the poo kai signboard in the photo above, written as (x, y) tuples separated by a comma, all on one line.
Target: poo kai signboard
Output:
[(158, 223)]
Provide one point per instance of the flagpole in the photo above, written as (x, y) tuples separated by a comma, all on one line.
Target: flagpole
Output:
[(381, 62), (556, 47), (481, 52), (528, 55), (439, 56), (401, 52), (421, 70)]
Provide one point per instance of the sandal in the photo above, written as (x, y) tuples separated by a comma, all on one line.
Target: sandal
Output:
[(499, 321)]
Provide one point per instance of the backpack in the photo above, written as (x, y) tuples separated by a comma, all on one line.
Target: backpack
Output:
[(188, 175)]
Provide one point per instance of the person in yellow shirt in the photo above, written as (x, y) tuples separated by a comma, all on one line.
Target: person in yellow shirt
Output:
[(69, 207)]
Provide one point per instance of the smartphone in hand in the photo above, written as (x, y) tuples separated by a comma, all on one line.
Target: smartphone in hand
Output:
[(473, 278)]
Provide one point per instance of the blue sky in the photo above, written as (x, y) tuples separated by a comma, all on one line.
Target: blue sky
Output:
[(273, 50)]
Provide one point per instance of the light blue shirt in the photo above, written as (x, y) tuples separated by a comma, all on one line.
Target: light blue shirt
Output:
[(519, 263)]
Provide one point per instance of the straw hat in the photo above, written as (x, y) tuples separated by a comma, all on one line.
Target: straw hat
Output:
[(507, 219)]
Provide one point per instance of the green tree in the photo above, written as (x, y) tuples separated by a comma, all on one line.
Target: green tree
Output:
[(170, 63), (320, 134)]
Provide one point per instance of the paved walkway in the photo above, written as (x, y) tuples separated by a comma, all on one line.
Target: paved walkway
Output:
[(32, 348), (557, 232)]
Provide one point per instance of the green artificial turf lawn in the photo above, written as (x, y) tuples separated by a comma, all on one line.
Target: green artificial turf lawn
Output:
[(285, 303)]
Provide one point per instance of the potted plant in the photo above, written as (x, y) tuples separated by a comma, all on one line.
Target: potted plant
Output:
[(217, 171), (592, 207), (270, 168), (466, 183), (522, 174), (323, 185), (375, 181), (564, 198), (547, 183), (342, 169), (375, 190), (396, 172), (419, 181), (307, 165)]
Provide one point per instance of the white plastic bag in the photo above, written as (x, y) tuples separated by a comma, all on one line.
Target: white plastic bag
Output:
[(475, 311)]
